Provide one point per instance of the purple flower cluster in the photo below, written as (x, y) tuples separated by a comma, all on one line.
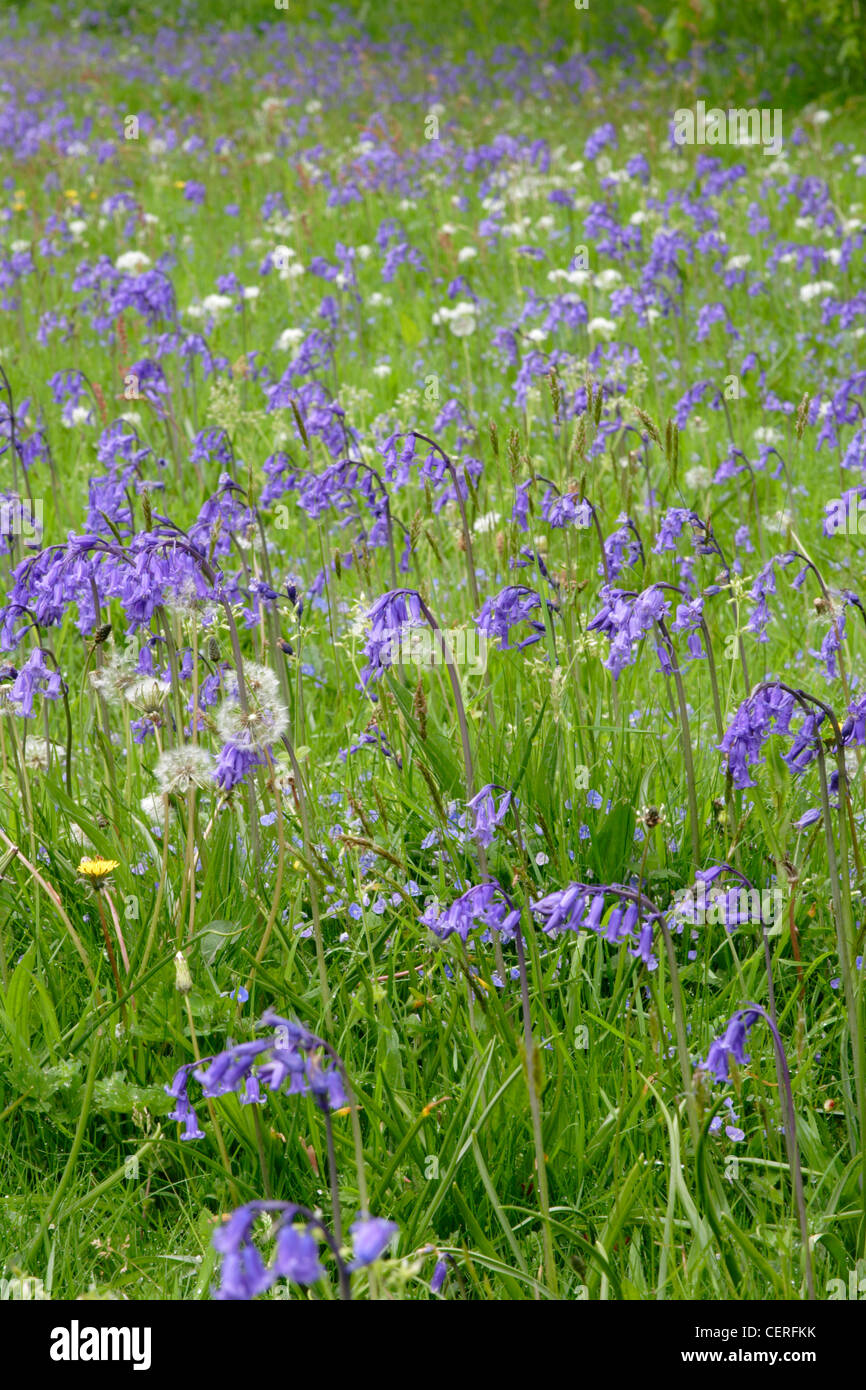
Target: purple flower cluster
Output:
[(298, 1235), (506, 610), (582, 905), (732, 1044), (625, 619), (389, 616), (34, 677), (293, 1058), (483, 906), (487, 814), (769, 710)]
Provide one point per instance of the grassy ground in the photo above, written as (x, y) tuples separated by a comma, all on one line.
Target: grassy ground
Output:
[(361, 186)]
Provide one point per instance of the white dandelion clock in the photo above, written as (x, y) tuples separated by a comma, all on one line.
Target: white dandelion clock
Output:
[(265, 719), (179, 769)]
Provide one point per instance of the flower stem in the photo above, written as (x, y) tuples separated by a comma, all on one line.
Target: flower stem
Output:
[(535, 1111)]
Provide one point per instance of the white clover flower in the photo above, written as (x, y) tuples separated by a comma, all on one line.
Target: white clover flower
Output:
[(131, 262), (251, 291), (607, 279), (179, 769), (818, 288), (382, 369), (602, 328), (698, 477), (289, 338), (466, 253), (738, 262), (216, 303)]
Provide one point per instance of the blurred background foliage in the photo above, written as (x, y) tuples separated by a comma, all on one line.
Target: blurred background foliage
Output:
[(798, 50)]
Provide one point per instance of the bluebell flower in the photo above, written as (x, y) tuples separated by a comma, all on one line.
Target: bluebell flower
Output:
[(439, 1273), (298, 1234), (35, 676), (370, 1237), (505, 610), (769, 710), (732, 1044), (487, 815), (234, 762), (389, 616), (625, 619), (484, 905), (293, 1058), (297, 1255), (582, 906)]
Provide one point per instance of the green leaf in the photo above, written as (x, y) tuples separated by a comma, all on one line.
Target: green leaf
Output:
[(215, 936)]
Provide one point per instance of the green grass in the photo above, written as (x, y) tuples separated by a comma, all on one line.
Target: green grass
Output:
[(442, 1086)]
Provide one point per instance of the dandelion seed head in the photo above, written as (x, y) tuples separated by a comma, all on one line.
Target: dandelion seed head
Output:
[(265, 719), (115, 675), (148, 693), (179, 769)]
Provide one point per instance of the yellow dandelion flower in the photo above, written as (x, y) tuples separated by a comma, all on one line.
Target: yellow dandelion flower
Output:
[(96, 871), (180, 183), (71, 194)]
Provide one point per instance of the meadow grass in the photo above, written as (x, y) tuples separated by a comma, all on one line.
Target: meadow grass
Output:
[(341, 178)]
